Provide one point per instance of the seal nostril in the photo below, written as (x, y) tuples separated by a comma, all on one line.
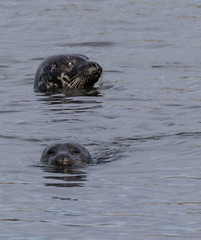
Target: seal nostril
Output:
[(96, 67), (93, 64), (62, 160)]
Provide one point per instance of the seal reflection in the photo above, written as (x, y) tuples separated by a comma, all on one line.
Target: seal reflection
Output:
[(69, 178)]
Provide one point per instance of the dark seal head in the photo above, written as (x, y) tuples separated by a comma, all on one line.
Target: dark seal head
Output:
[(66, 71), (70, 155)]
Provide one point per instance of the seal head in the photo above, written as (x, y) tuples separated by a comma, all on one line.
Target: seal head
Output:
[(66, 71), (67, 155)]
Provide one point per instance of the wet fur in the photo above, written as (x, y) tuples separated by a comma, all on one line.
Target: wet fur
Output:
[(67, 155), (66, 71)]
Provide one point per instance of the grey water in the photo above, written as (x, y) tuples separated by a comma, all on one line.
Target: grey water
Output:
[(142, 126)]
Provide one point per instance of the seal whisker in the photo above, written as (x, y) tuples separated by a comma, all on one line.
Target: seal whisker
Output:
[(75, 83), (76, 76), (101, 80), (80, 82)]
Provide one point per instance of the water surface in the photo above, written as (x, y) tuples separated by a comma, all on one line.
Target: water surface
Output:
[(142, 126)]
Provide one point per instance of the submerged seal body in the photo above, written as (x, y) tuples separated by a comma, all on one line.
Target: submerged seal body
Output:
[(66, 71), (66, 155)]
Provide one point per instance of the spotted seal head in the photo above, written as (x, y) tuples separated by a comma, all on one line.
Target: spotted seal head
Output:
[(70, 155), (66, 71)]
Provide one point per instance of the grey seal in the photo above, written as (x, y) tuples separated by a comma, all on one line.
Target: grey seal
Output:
[(67, 154), (66, 71)]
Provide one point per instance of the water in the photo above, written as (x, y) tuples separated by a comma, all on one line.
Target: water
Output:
[(142, 125)]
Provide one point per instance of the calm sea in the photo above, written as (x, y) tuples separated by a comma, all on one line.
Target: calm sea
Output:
[(143, 126)]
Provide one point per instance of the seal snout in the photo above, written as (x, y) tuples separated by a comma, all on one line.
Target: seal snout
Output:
[(95, 68), (63, 159), (93, 73)]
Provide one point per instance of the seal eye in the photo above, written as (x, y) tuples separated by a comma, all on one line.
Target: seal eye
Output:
[(71, 63), (74, 151), (51, 151)]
